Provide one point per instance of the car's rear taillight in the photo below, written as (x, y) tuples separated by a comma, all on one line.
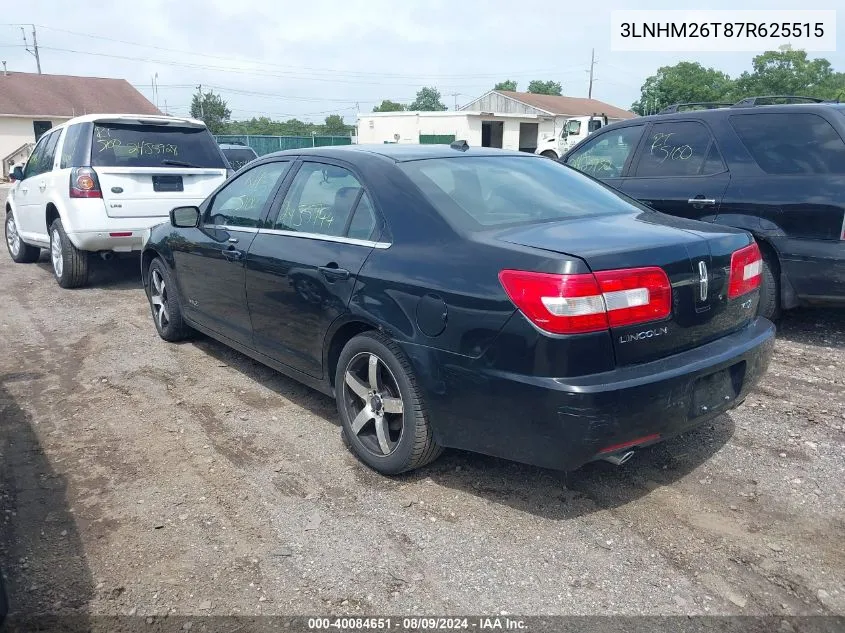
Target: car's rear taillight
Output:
[(746, 271), (84, 183), (573, 304)]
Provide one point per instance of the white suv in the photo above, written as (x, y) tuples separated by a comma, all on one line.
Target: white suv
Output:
[(97, 183)]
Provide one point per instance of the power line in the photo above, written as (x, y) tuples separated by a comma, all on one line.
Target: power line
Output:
[(307, 68)]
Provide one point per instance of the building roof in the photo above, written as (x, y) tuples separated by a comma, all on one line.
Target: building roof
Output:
[(572, 106), (31, 94)]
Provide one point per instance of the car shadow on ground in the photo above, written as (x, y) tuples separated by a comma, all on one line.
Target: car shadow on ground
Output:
[(302, 396), (559, 495), (813, 326), (118, 273), (539, 491), (47, 580)]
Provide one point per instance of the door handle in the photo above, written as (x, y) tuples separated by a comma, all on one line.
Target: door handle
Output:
[(333, 273), (233, 254), (42, 185), (24, 190), (702, 202)]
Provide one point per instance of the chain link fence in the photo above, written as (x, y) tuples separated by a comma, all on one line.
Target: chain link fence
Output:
[(268, 144)]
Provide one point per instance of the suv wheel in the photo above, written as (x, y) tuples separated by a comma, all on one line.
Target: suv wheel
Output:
[(21, 252), (769, 305), (70, 265)]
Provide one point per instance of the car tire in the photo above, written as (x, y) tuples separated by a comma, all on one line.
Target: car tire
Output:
[(70, 265), (549, 154), (396, 435), (165, 303), (20, 251), (769, 304)]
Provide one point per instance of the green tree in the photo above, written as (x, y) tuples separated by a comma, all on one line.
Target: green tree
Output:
[(334, 126), (507, 84), (685, 82), (428, 100), (212, 109), (389, 106), (550, 87), (789, 72)]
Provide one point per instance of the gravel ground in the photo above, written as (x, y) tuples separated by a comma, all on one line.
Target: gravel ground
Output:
[(140, 477)]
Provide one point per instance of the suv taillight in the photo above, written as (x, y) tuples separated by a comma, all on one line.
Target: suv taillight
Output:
[(591, 302), (746, 271), (84, 183)]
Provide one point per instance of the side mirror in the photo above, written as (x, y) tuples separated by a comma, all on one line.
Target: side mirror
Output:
[(17, 172), (185, 217)]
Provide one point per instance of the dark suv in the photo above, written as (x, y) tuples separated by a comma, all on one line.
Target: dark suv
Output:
[(777, 171)]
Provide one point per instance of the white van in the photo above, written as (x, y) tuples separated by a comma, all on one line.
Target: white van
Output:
[(96, 183)]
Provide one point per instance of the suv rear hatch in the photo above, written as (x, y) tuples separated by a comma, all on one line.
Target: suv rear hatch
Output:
[(696, 258), (146, 167)]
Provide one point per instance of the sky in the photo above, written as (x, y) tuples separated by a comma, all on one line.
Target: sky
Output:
[(310, 58)]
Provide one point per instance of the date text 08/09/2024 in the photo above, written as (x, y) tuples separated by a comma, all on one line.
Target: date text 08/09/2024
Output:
[(481, 623)]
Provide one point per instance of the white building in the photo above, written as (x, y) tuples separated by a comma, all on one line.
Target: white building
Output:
[(485, 129), (558, 108)]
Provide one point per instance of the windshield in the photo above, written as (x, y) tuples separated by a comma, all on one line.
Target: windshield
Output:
[(239, 157), (133, 145), (478, 192)]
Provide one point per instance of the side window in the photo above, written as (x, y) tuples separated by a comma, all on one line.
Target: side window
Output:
[(71, 146), (35, 159), (42, 156), (241, 201), (363, 221), (320, 200), (605, 156), (675, 149), (791, 143), (50, 151)]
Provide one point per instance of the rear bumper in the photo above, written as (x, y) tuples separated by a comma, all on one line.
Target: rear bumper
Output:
[(565, 422), (104, 238)]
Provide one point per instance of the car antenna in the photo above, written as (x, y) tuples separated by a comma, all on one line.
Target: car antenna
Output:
[(459, 145)]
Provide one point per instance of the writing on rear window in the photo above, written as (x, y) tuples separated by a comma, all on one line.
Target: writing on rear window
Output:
[(118, 145)]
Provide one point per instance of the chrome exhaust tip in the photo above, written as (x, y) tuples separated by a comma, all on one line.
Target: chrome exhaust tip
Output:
[(619, 458)]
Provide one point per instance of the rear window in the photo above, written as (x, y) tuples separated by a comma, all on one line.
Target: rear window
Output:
[(791, 143), (477, 192), (239, 157), (128, 145)]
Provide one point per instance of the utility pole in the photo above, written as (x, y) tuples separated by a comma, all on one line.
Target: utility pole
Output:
[(592, 65), (34, 50), (202, 108), (455, 95)]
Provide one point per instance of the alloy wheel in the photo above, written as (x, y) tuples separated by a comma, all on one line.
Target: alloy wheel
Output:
[(159, 299), (13, 240), (373, 403), (56, 252)]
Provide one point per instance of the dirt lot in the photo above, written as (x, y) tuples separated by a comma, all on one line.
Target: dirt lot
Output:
[(140, 477)]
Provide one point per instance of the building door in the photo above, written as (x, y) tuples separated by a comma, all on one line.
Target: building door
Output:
[(40, 128), (528, 137), (492, 133)]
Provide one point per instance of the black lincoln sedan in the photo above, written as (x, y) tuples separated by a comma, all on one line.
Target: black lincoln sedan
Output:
[(478, 299)]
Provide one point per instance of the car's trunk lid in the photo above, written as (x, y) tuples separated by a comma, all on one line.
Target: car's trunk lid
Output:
[(695, 256)]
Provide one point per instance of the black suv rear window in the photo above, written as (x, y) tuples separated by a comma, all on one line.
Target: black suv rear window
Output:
[(131, 145), (477, 192), (239, 157), (791, 143)]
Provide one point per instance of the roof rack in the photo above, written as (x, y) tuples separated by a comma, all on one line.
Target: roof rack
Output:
[(768, 99), (704, 105)]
